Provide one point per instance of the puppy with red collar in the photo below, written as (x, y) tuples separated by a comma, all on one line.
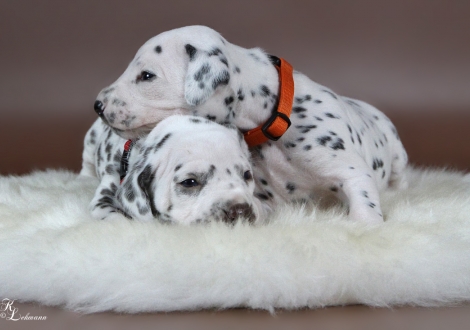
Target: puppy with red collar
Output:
[(179, 173)]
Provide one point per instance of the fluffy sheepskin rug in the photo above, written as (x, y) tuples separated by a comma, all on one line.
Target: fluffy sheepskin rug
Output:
[(53, 253)]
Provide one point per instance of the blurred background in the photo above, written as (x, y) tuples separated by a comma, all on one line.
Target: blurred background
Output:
[(409, 58)]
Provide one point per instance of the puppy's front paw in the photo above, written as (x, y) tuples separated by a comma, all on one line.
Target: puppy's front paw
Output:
[(100, 213), (370, 214)]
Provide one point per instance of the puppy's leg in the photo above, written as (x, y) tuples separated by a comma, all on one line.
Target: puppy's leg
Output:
[(398, 178), (103, 204), (89, 148), (363, 197), (354, 183)]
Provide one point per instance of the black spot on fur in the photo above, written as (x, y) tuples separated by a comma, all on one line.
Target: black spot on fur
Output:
[(130, 194), (323, 140), (330, 115), (158, 49), (199, 75), (289, 145), (228, 100), (240, 95), (162, 141), (298, 109), (330, 93), (265, 90), (109, 169), (377, 163), (262, 196), (108, 90), (353, 103), (359, 138), (255, 57), (222, 79), (301, 100), (214, 52), (191, 51), (290, 187), (117, 156), (104, 202), (305, 128), (339, 144), (224, 61), (144, 180)]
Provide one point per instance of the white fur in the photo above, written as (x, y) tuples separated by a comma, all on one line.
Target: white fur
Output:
[(53, 253)]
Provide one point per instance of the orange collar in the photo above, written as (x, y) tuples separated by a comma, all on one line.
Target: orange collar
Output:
[(279, 121)]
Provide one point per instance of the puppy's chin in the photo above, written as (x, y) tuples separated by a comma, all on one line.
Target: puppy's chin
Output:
[(132, 134)]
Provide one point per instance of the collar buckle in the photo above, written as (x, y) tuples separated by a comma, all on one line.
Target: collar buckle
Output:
[(275, 119)]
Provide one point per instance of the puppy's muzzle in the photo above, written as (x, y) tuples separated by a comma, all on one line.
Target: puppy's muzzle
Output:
[(240, 210)]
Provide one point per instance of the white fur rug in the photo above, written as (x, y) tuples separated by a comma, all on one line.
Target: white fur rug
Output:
[(53, 253)]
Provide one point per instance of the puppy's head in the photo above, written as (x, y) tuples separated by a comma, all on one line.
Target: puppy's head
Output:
[(189, 170), (173, 73)]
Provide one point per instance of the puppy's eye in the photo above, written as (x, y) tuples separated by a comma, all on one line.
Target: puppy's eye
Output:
[(247, 175), (146, 76), (189, 183)]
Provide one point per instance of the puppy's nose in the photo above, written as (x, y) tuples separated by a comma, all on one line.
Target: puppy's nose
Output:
[(239, 211), (99, 108)]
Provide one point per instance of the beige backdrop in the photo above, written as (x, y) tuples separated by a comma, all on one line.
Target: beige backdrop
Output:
[(403, 55)]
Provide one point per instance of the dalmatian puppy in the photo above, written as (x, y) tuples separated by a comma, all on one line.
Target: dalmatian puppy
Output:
[(179, 173), (335, 145)]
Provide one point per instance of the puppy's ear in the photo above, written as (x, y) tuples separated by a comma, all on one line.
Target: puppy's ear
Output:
[(207, 70), (135, 195), (144, 182)]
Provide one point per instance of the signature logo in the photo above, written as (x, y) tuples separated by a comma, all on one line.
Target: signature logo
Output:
[(11, 313)]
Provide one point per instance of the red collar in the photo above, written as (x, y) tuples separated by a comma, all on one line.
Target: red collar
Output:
[(126, 154), (279, 121)]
